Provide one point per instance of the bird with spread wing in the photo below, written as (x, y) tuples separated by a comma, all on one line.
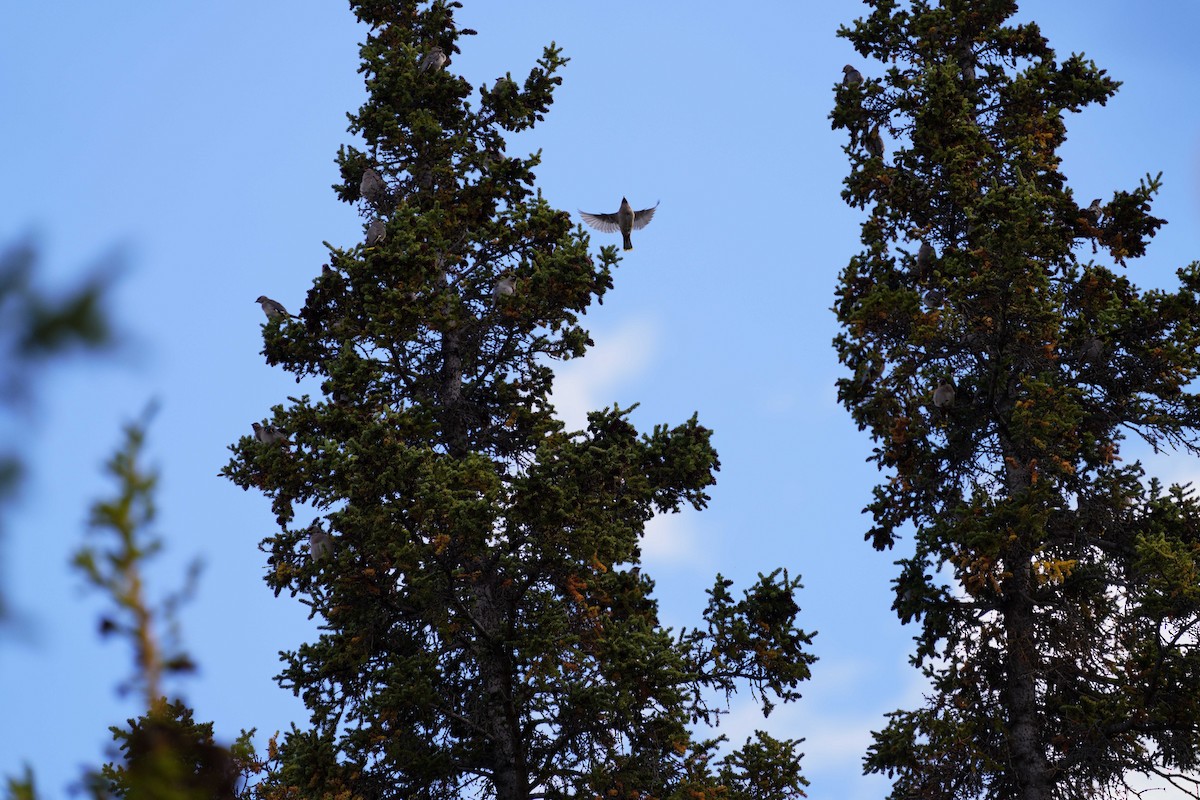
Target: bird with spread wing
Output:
[(625, 220)]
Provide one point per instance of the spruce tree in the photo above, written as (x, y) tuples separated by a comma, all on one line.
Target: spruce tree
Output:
[(999, 357), (486, 630)]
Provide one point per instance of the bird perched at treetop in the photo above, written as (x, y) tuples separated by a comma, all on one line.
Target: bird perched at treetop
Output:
[(625, 220), (434, 59), (272, 308), (851, 76), (1092, 213)]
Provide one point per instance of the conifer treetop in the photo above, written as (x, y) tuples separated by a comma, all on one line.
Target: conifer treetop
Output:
[(486, 629), (998, 357)]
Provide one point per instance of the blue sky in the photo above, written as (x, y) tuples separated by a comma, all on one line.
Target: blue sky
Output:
[(197, 141)]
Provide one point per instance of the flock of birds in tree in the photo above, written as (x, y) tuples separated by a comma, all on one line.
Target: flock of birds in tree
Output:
[(944, 394), (375, 190)]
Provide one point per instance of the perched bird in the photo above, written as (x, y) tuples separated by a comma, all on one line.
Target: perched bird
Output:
[(868, 373), (320, 543), (966, 66), (504, 286), (625, 220), (925, 258), (1092, 213), (851, 76), (268, 434), (1092, 351), (493, 156), (934, 298), (423, 177), (943, 396), (505, 85), (376, 232), (372, 186), (434, 59), (874, 143), (272, 308)]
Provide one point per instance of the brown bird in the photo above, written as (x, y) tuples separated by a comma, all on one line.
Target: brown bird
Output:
[(625, 220), (874, 143)]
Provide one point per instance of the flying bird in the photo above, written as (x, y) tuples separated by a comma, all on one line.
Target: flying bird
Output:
[(268, 434), (434, 59), (272, 308), (372, 186), (851, 76), (376, 232), (625, 220)]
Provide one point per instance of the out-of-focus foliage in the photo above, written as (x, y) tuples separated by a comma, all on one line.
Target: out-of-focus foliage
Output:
[(164, 754), (37, 327)]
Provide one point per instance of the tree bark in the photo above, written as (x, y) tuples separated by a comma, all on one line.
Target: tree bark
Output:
[(1025, 741), (510, 775)]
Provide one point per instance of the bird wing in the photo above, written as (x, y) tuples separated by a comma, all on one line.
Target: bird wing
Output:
[(601, 222), (642, 218)]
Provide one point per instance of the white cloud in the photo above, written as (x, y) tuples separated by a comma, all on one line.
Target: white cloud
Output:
[(672, 540), (834, 723), (588, 383), (619, 357)]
